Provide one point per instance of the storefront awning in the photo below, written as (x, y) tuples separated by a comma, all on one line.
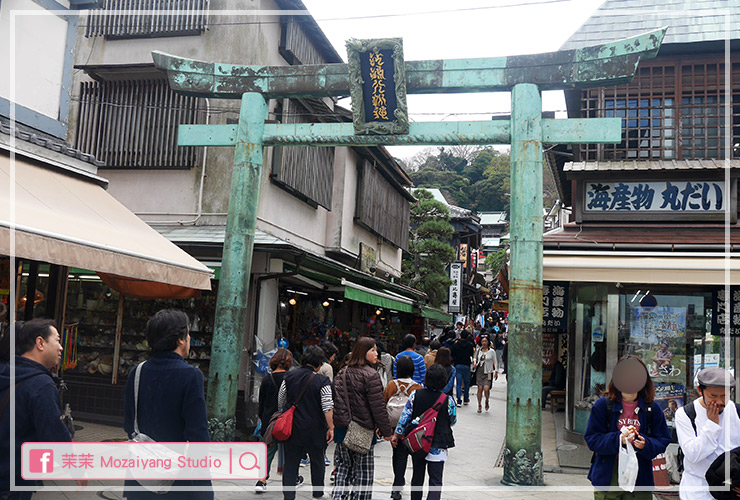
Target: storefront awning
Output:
[(633, 267), (428, 312), (65, 220), (359, 293)]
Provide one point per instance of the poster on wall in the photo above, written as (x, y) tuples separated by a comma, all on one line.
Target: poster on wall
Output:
[(655, 324), (670, 397)]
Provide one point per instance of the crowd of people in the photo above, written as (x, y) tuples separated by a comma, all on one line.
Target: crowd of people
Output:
[(384, 398), (370, 399)]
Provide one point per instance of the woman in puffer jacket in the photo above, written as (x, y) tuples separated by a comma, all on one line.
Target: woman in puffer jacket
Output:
[(358, 396)]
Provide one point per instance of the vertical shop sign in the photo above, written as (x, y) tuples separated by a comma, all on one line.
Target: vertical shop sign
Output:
[(462, 255), (555, 306), (455, 298), (724, 307)]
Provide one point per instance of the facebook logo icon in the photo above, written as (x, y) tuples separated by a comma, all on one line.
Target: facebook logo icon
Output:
[(41, 461)]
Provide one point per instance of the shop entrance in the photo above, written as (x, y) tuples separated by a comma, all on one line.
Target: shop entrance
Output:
[(378, 80)]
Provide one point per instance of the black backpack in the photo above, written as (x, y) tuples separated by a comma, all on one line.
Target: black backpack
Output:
[(691, 413)]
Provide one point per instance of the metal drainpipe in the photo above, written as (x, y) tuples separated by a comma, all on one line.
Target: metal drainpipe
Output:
[(258, 288)]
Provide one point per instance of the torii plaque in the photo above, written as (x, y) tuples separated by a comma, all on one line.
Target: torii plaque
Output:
[(524, 76)]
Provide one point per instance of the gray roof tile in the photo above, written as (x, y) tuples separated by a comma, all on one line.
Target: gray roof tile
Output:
[(688, 21)]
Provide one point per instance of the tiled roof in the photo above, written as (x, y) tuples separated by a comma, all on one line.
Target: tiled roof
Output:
[(688, 21), (211, 234), (492, 218), (34, 137), (621, 166)]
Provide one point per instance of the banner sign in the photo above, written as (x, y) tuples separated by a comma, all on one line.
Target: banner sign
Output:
[(377, 76), (555, 306), (723, 308), (455, 298), (664, 196)]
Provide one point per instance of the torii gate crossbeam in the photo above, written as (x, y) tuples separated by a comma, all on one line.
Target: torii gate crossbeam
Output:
[(524, 76)]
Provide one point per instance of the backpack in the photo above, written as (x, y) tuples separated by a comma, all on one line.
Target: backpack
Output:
[(691, 413), (420, 437), (397, 403)]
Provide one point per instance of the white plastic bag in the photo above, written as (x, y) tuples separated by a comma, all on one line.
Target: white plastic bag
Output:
[(628, 466)]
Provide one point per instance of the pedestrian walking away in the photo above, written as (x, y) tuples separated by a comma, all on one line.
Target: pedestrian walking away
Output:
[(444, 358), (37, 405), (433, 462), (626, 418), (429, 357), (360, 407), (170, 405), (484, 367), (280, 363), (706, 428), (420, 369), (397, 394), (462, 357), (313, 420)]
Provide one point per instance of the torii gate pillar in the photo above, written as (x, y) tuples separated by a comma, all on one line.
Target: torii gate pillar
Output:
[(523, 452)]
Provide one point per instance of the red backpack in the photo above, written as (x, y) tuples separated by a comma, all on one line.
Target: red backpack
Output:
[(420, 437)]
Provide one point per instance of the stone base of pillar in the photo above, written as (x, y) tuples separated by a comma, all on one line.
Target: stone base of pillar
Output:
[(222, 430), (521, 469)]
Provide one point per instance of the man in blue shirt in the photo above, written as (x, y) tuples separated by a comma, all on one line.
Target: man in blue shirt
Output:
[(420, 369)]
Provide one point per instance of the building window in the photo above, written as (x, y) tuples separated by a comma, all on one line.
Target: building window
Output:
[(179, 17), (133, 124), (380, 208), (306, 172), (673, 110)]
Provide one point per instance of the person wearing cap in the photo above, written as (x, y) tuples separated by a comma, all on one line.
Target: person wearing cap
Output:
[(714, 430)]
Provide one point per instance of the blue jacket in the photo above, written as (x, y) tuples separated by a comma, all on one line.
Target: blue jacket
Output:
[(604, 441), (37, 412), (172, 407)]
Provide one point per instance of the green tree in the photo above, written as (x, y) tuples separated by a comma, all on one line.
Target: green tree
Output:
[(429, 252), (495, 261)]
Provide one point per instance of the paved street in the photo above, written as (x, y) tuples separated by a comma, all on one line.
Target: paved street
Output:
[(470, 473)]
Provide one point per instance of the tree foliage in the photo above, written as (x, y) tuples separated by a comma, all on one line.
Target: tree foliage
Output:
[(479, 182), (429, 253), (495, 261)]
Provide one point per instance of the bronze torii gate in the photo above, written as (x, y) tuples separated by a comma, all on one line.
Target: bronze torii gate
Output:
[(524, 76)]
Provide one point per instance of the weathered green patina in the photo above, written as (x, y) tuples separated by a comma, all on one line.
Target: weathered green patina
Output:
[(526, 131), (231, 304)]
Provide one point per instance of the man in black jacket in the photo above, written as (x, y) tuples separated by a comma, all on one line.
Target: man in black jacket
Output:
[(462, 357), (37, 406)]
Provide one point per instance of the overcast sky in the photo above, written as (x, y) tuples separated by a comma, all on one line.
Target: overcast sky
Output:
[(440, 29)]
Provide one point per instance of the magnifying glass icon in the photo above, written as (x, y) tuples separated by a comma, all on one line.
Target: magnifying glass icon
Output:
[(253, 459)]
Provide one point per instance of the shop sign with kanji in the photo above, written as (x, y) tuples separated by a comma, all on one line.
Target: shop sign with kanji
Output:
[(702, 199), (455, 297), (555, 307), (726, 308), (377, 76)]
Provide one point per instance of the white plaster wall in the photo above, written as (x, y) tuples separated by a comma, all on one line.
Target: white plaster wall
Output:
[(159, 192), (38, 48)]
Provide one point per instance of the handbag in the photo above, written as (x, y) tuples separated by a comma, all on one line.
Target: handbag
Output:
[(280, 427), (157, 486), (357, 439)]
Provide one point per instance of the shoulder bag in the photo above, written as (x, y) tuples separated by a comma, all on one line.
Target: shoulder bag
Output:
[(156, 452), (280, 427), (357, 439)]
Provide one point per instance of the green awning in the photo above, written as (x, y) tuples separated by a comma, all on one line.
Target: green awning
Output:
[(375, 298), (428, 312)]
